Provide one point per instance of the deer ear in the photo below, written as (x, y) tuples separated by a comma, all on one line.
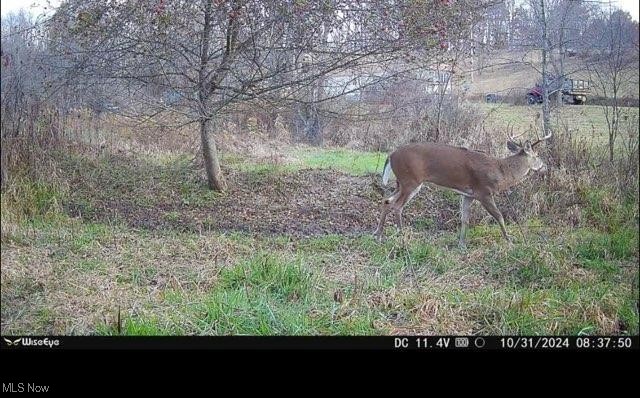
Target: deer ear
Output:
[(513, 147), (527, 147)]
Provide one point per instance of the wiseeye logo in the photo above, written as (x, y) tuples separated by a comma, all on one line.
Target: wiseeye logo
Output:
[(14, 342), (31, 342)]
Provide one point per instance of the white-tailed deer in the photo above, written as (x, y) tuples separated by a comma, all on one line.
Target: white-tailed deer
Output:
[(474, 175)]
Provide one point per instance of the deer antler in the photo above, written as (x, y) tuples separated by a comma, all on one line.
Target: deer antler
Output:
[(546, 137), (511, 137)]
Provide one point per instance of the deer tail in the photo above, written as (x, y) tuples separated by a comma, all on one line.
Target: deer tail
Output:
[(386, 172)]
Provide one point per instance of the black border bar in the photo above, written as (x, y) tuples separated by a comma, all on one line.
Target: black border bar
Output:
[(397, 343)]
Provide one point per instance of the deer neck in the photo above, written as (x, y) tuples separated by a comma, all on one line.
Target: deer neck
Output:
[(514, 169)]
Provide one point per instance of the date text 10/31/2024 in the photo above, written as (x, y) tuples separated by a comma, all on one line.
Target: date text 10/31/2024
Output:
[(586, 342)]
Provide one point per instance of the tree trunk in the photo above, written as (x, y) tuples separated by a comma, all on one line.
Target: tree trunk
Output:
[(546, 114), (612, 141), (560, 79), (613, 129), (308, 124), (215, 179)]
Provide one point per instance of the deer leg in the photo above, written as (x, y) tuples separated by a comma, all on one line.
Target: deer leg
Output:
[(399, 219), (465, 206), (383, 216), (490, 206), (404, 200), (397, 207), (386, 208)]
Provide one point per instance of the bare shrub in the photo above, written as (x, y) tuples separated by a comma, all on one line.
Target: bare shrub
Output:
[(628, 160), (384, 126)]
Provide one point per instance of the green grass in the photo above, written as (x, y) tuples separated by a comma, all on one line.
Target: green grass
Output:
[(606, 212), (605, 253), (91, 264), (266, 295), (144, 327), (348, 161), (328, 243), (26, 199), (577, 308), (356, 163)]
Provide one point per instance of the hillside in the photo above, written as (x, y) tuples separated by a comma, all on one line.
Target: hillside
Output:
[(513, 73)]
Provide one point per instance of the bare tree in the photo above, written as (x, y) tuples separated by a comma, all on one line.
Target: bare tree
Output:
[(216, 54), (540, 12), (616, 57), (33, 115)]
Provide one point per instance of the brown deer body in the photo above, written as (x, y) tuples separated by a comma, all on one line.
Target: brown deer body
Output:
[(474, 175)]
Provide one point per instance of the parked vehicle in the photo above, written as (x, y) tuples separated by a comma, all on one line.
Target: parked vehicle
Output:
[(492, 98), (573, 91)]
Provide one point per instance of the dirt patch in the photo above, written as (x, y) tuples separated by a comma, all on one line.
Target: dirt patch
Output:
[(304, 203)]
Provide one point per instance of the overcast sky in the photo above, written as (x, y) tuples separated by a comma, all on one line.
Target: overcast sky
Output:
[(35, 6), (13, 5)]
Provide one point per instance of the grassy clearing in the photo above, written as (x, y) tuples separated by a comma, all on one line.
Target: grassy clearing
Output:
[(356, 163), (348, 161), (70, 274), (266, 167), (586, 121)]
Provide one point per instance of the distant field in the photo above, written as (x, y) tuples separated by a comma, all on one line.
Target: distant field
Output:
[(512, 73), (584, 121)]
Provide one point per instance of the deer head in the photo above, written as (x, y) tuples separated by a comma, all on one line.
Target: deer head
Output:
[(527, 149)]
